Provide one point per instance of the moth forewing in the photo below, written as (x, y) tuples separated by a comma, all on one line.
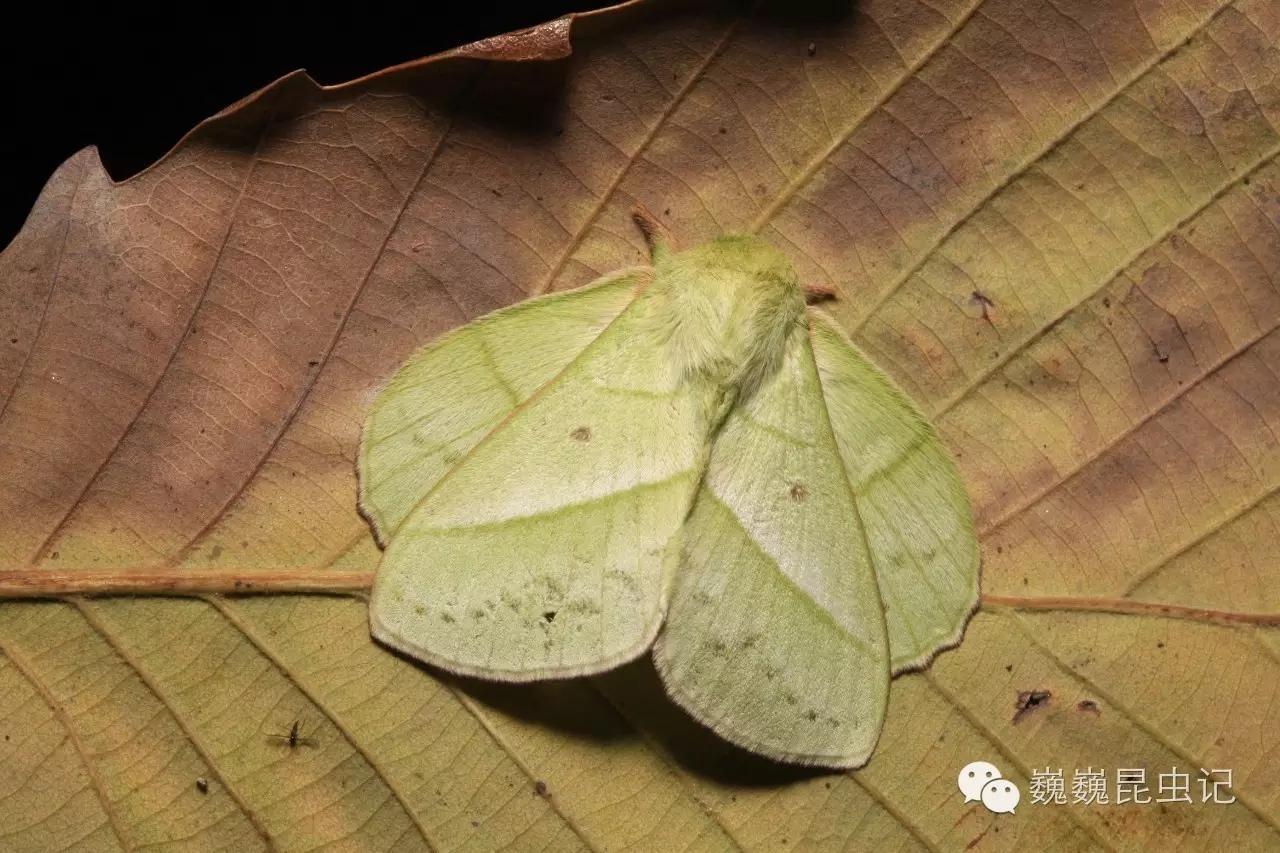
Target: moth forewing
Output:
[(452, 392), (909, 496), (567, 507), (775, 637)]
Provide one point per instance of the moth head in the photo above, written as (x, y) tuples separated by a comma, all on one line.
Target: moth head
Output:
[(730, 305)]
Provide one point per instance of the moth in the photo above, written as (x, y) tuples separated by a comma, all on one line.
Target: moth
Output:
[(687, 459)]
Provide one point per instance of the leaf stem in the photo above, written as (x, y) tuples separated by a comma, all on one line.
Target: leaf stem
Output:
[(1130, 607), (45, 583)]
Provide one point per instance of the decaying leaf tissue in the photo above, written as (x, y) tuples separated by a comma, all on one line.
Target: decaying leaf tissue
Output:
[(369, 480)]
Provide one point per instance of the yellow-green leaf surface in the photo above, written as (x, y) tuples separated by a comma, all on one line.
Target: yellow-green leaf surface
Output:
[(1055, 224)]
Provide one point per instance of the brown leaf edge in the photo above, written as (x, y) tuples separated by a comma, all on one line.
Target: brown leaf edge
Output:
[(546, 42)]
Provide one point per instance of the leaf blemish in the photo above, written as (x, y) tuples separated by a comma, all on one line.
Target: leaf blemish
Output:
[(984, 304), (582, 433), (549, 616), (447, 617), (798, 492), (1029, 700)]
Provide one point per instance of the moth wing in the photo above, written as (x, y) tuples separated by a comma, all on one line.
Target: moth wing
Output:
[(913, 505), (542, 553), (775, 637), (452, 392)]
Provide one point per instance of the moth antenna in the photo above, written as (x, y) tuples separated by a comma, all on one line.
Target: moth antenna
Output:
[(819, 293), (656, 235)]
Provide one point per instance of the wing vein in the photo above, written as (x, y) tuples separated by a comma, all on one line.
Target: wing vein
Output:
[(794, 588)]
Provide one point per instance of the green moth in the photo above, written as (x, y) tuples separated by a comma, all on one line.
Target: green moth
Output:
[(686, 458)]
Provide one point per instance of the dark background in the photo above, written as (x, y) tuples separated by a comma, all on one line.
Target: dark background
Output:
[(135, 84)]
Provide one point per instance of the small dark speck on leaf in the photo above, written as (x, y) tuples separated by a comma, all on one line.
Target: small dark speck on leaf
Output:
[(13, 340), (1160, 644), (582, 433), (313, 362), (202, 785), (1162, 357), (1028, 700), (983, 302), (1008, 667), (540, 788), (666, 212), (550, 616), (799, 492), (1088, 706), (723, 130)]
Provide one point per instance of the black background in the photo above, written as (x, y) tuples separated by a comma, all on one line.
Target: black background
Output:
[(134, 85)]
